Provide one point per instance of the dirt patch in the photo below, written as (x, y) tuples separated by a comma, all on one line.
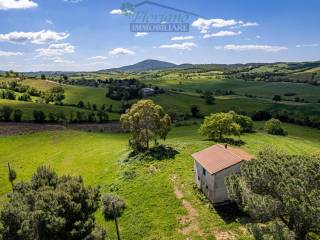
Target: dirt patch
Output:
[(7, 129), (189, 222), (224, 235)]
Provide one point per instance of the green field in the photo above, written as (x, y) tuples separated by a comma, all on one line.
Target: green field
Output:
[(153, 210)]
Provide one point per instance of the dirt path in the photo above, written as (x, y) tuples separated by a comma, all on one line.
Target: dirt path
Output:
[(189, 222)]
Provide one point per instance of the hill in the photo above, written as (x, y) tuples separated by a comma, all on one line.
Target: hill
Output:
[(145, 65)]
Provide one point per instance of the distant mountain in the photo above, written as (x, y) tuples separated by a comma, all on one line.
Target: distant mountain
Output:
[(145, 65)]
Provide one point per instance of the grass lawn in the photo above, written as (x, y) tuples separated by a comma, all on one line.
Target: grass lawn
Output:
[(153, 205)]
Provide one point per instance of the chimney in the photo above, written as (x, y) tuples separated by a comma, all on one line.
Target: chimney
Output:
[(226, 146)]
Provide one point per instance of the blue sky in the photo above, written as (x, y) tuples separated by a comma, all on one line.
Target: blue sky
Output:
[(87, 35)]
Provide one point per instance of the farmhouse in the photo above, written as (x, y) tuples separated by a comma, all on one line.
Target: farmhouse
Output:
[(147, 92), (212, 165)]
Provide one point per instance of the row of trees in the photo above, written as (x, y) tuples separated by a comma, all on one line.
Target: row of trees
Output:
[(8, 114)]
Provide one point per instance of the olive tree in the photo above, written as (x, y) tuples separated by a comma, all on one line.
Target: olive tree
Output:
[(145, 121)]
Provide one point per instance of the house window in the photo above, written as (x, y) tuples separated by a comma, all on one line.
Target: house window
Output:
[(204, 172), (198, 178), (206, 186)]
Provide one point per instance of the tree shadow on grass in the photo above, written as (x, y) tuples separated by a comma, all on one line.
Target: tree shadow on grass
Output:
[(230, 213), (159, 152), (231, 141)]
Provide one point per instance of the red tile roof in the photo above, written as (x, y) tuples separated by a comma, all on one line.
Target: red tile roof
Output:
[(218, 157)]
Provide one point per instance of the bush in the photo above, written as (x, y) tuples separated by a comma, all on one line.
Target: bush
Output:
[(273, 126), (107, 208)]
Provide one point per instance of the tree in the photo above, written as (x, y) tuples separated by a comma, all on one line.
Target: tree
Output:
[(245, 122), (43, 77), (194, 109), (145, 120), (208, 96), (39, 116), (282, 187), (276, 98), (5, 113), (80, 104), (103, 116), (17, 115), (107, 208), (219, 124), (51, 207), (273, 126), (12, 175)]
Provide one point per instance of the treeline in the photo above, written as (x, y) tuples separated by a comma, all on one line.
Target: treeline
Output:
[(8, 114), (298, 118), (303, 77)]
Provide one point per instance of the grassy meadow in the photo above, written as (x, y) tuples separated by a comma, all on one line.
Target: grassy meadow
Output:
[(162, 201)]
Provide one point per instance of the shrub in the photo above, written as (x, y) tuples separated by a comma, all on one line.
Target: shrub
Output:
[(273, 126), (107, 208)]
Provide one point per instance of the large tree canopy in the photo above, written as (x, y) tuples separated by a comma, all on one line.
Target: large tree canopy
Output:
[(145, 120), (51, 207), (217, 125), (280, 187)]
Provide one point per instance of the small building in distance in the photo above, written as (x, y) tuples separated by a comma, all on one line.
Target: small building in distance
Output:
[(146, 92), (212, 165)]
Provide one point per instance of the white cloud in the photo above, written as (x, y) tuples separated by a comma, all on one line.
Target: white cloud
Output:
[(221, 34), (116, 11), (10, 54), (141, 34), (181, 38), (308, 45), (204, 25), (17, 4), (248, 24), (180, 46), (56, 50), (41, 37), (266, 48), (48, 21), (121, 51), (63, 61), (98, 58)]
